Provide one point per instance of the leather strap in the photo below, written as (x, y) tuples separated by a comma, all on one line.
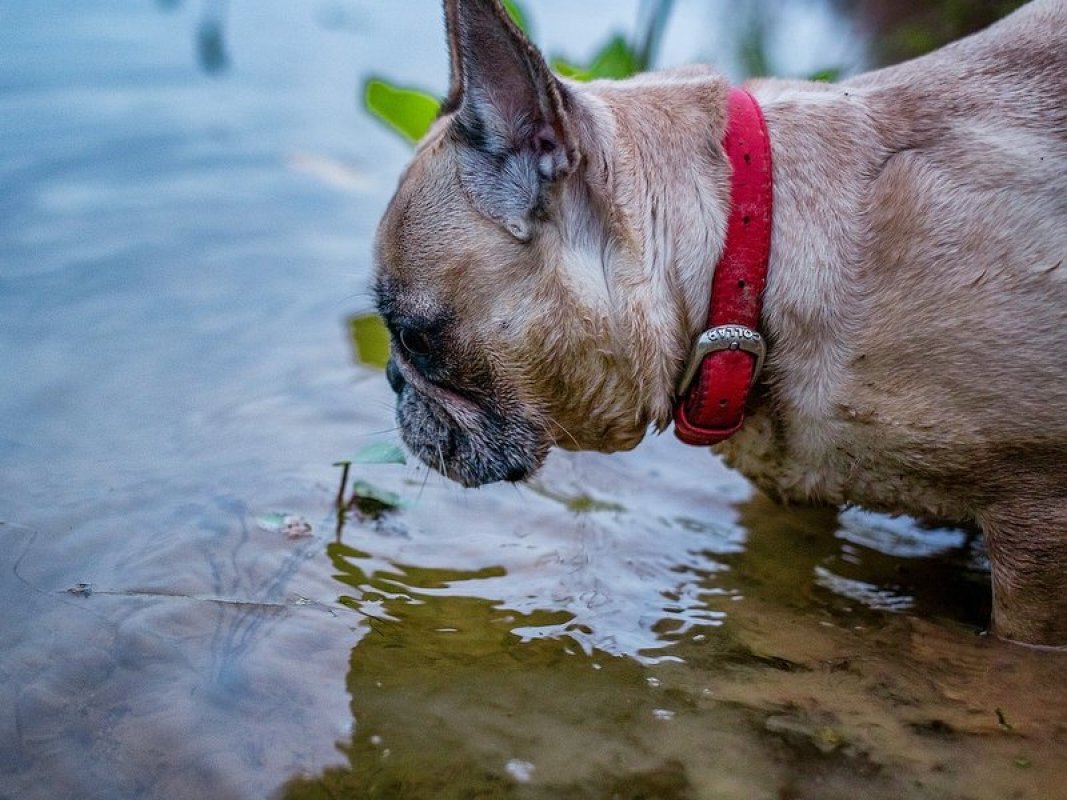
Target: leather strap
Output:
[(712, 407)]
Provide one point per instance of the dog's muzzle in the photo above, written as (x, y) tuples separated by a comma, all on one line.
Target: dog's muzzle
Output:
[(472, 445)]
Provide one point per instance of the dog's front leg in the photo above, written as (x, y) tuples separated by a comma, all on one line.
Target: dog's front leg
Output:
[(1027, 545)]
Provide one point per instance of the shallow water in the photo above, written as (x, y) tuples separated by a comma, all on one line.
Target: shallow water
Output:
[(187, 197)]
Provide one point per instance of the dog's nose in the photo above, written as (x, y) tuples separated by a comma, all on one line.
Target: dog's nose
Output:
[(392, 373)]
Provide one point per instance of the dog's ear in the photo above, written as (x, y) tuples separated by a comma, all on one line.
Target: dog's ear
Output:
[(510, 116)]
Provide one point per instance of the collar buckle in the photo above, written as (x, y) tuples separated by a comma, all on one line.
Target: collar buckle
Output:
[(715, 385), (723, 337)]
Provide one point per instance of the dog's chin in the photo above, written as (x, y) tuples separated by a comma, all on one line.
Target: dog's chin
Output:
[(470, 447)]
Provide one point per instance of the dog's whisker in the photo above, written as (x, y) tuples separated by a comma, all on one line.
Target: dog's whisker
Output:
[(422, 486), (570, 436), (381, 432)]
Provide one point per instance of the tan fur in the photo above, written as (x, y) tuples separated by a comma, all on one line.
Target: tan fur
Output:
[(916, 304)]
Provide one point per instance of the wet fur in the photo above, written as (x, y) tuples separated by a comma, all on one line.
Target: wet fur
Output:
[(559, 240)]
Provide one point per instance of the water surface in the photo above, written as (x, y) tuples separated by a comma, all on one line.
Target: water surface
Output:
[(187, 197)]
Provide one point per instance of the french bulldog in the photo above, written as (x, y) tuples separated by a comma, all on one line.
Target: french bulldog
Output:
[(545, 264)]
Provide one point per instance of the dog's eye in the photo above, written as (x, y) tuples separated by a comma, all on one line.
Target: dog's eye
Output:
[(415, 343)]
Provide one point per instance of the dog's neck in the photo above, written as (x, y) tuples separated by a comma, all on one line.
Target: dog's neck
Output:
[(656, 157), (825, 155), (727, 357), (660, 195)]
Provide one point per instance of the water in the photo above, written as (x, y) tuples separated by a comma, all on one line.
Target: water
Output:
[(187, 197)]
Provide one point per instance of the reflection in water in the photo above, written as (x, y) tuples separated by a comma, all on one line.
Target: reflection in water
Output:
[(681, 655), (868, 594), (211, 37), (809, 689), (578, 592), (876, 561), (450, 702)]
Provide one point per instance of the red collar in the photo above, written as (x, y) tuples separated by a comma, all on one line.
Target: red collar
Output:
[(727, 357)]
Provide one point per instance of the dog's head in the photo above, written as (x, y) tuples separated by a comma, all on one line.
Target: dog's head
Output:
[(509, 276)]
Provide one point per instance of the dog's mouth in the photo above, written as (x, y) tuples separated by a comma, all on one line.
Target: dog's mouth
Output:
[(471, 442)]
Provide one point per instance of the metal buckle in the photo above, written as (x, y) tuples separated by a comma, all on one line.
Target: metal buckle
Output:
[(723, 337)]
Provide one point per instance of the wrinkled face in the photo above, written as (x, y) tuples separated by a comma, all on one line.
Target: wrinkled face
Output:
[(450, 286), (496, 356), (492, 274)]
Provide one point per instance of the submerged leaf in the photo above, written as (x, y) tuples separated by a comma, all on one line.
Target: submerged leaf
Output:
[(292, 525), (584, 504), (271, 522), (579, 503), (371, 501)]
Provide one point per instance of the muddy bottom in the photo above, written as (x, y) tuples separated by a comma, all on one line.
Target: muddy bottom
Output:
[(188, 194)]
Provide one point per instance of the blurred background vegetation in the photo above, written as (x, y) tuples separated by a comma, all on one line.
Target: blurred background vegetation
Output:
[(902, 29), (895, 29)]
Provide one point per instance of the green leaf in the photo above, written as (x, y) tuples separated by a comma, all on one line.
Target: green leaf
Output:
[(373, 502), (370, 340), (616, 59), (369, 491), (518, 16), (380, 453), (827, 75), (569, 70), (409, 112)]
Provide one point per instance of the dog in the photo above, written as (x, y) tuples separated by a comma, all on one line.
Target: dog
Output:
[(545, 266)]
